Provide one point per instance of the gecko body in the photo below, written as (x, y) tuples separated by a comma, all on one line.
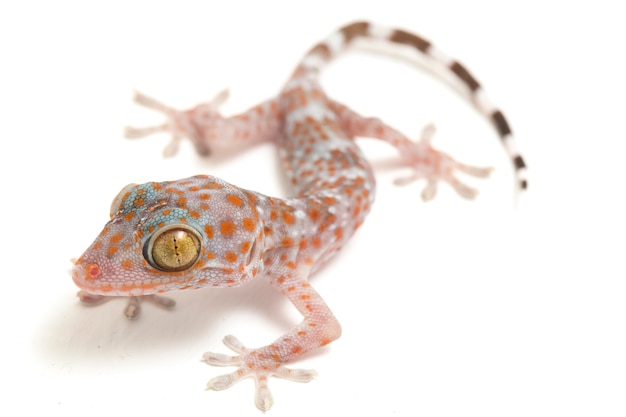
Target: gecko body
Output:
[(203, 232)]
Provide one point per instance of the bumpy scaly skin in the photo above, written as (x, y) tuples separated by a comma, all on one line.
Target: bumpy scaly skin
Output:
[(238, 234)]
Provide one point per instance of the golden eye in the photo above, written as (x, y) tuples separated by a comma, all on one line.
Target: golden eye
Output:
[(173, 249)]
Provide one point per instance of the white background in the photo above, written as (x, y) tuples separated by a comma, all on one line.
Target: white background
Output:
[(450, 308)]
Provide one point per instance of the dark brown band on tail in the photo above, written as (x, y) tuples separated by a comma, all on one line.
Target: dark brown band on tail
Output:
[(400, 36), (523, 185), (501, 124), (464, 75), (322, 50), (519, 162), (354, 30)]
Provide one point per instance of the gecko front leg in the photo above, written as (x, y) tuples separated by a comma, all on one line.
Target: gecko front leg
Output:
[(318, 328), (133, 304)]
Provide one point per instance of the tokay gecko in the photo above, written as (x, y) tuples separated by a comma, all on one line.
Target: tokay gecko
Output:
[(203, 232)]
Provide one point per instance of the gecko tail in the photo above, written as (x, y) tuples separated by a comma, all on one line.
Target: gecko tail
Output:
[(338, 41)]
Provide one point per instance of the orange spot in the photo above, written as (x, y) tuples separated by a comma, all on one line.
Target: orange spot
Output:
[(339, 233), (248, 224), (98, 245), (116, 238), (173, 190), (204, 196), (228, 271), (233, 199), (227, 228), (309, 261), (193, 188), (167, 212), (129, 216), (292, 288), (208, 230), (182, 201), (106, 288), (230, 257), (314, 214), (329, 200), (302, 245), (287, 242), (194, 214), (245, 247), (138, 202), (112, 250), (288, 217), (316, 241), (301, 333), (127, 264), (204, 206), (291, 265), (210, 255), (325, 342), (273, 215), (305, 297), (296, 349)]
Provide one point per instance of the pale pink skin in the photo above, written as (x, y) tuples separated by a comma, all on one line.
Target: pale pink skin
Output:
[(246, 235)]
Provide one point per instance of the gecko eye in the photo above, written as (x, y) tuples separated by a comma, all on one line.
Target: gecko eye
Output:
[(173, 249)]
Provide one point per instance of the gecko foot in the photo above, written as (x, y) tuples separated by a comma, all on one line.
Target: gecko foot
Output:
[(179, 124), (435, 166), (253, 363), (133, 306)]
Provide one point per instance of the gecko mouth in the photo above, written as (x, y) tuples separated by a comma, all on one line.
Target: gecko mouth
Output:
[(91, 278)]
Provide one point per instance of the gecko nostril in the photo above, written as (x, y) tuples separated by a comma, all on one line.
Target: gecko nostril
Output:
[(92, 271)]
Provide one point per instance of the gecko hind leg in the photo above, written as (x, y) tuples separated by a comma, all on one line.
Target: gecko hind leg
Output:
[(427, 162)]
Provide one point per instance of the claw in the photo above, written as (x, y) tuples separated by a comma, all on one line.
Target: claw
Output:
[(263, 399), (428, 132), (136, 133), (223, 382), (462, 189), (430, 191)]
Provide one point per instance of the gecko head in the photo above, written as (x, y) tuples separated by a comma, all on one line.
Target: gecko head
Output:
[(191, 233)]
